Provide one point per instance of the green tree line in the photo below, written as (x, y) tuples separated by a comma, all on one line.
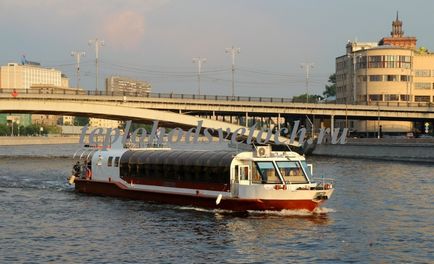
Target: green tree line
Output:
[(30, 130)]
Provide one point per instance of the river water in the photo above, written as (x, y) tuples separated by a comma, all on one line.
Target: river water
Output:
[(381, 212)]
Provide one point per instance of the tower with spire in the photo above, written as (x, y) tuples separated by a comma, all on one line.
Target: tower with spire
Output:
[(397, 37), (397, 28)]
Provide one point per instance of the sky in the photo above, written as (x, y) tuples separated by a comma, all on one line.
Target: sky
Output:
[(155, 40)]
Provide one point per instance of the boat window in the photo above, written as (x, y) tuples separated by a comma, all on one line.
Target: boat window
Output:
[(291, 171), (132, 171), (306, 168), (117, 162), (265, 173), (244, 173), (109, 161), (236, 174)]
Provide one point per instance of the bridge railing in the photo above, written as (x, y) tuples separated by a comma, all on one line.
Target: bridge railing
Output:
[(71, 91), (66, 91)]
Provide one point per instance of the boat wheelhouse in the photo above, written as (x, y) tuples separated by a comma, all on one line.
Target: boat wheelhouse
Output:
[(225, 179)]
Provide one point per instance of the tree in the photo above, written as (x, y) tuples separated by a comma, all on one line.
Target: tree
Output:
[(30, 130), (330, 89), (81, 120), (313, 98), (4, 130)]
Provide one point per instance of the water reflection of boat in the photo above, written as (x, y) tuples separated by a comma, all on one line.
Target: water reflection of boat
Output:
[(255, 180)]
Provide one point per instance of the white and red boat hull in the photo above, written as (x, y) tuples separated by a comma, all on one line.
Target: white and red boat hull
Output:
[(200, 198)]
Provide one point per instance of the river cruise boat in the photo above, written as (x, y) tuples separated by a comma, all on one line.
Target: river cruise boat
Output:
[(261, 179)]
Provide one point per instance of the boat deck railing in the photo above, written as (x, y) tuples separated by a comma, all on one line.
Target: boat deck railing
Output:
[(325, 183)]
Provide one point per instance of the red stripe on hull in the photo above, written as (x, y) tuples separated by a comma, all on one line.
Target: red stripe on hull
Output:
[(233, 204), (222, 187)]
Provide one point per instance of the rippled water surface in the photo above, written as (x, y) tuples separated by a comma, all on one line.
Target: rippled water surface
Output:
[(381, 212)]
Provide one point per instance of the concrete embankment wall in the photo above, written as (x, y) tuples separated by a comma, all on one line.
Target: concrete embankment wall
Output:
[(11, 141), (385, 149)]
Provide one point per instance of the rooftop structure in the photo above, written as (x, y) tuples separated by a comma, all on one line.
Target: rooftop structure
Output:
[(393, 70), (118, 84)]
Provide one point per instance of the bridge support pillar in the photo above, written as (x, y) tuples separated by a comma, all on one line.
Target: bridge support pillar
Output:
[(332, 125), (278, 122), (247, 119)]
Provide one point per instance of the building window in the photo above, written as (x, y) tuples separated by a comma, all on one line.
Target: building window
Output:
[(362, 62), (405, 97), (390, 61), (375, 62), (391, 97), (392, 78), (422, 85), (420, 98), (405, 62), (422, 73), (375, 78), (375, 97), (405, 78)]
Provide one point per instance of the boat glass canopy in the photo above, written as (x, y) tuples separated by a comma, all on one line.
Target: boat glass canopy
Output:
[(177, 165), (265, 172), (292, 171)]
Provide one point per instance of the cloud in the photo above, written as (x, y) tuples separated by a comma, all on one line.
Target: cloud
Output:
[(124, 30)]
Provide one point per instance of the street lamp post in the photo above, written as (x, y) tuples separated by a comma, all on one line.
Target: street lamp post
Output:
[(233, 51), (307, 66), (354, 58), (78, 55), (367, 95), (199, 62), (407, 97), (367, 79), (354, 77), (407, 76), (98, 44)]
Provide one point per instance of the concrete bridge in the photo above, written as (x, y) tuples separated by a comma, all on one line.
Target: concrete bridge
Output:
[(117, 108), (186, 110), (211, 106)]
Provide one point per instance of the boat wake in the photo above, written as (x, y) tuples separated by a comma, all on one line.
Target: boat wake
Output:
[(34, 156), (58, 184), (213, 211), (318, 211)]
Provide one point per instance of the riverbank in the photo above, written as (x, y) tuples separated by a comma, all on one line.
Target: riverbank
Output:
[(12, 141), (419, 150), (48, 140)]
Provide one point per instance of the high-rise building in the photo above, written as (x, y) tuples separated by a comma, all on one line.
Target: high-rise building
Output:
[(121, 85), (23, 76), (29, 75), (390, 72)]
